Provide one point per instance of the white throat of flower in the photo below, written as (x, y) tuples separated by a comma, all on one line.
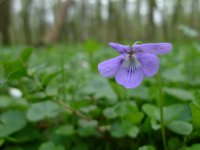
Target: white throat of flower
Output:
[(131, 62)]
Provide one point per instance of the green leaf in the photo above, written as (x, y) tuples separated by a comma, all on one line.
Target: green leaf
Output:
[(87, 128), (177, 112), (117, 130), (42, 110), (120, 129), (47, 77), (10, 66), (146, 147), (180, 94), (195, 116), (152, 111), (87, 123), (26, 53), (110, 113), (17, 68), (11, 122), (180, 127), (155, 124), (193, 147), (51, 146), (120, 92), (197, 99), (66, 130), (177, 76), (130, 129), (21, 72), (1, 142), (7, 102), (88, 109), (135, 118), (14, 68), (176, 117), (133, 131), (104, 89), (140, 92), (174, 143), (124, 108)]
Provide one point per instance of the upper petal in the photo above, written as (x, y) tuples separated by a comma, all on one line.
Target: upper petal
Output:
[(149, 63), (129, 77), (120, 48), (154, 48), (109, 67)]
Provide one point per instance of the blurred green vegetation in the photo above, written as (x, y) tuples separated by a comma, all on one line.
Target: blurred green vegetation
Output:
[(53, 98)]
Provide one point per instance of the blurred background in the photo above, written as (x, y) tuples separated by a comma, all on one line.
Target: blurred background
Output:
[(47, 21), (52, 96)]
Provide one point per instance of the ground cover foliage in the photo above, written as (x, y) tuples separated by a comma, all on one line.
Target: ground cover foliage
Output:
[(65, 104)]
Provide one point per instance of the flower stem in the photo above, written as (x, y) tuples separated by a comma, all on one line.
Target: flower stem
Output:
[(137, 42), (160, 100)]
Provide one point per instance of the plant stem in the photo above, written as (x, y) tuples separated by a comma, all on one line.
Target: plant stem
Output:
[(83, 116), (160, 99), (72, 110)]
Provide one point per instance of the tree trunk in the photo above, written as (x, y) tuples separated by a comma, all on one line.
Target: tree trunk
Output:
[(151, 26), (164, 23), (42, 23), (175, 18), (98, 21), (138, 33), (26, 17), (177, 9), (194, 13), (83, 27), (54, 34), (5, 21), (110, 20), (125, 26)]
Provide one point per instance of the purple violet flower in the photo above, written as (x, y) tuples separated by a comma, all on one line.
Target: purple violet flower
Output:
[(133, 62)]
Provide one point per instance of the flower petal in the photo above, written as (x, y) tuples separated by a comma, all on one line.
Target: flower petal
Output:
[(120, 48), (129, 77), (109, 67), (149, 63), (154, 48)]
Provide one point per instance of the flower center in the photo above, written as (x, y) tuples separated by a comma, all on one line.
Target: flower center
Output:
[(131, 55), (131, 61)]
